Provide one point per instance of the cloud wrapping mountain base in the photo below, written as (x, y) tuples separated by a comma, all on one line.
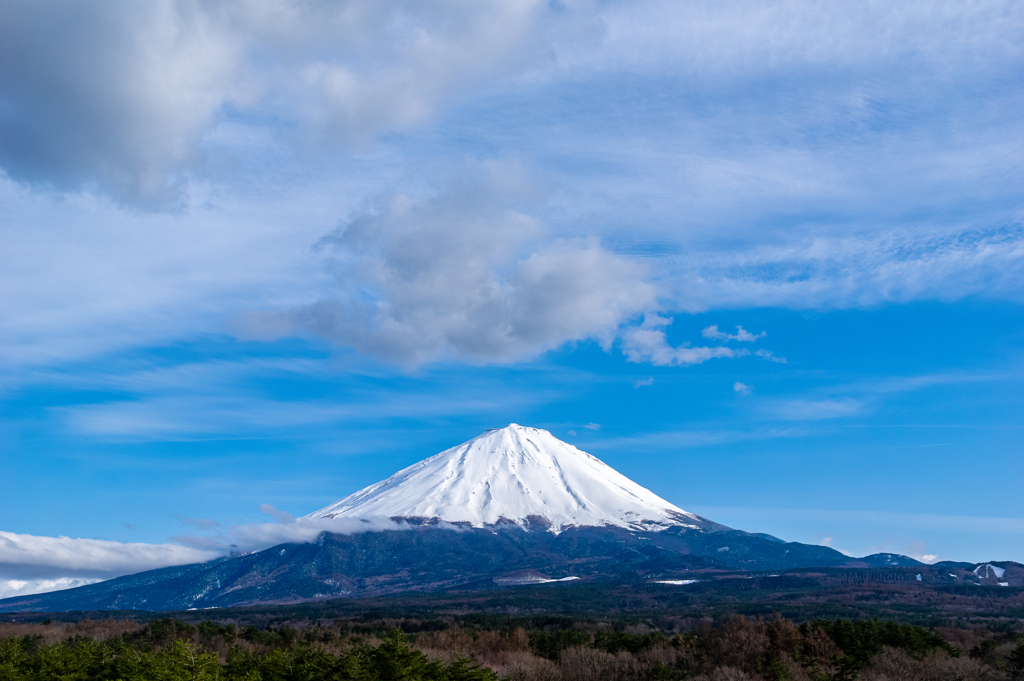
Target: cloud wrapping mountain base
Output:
[(31, 564)]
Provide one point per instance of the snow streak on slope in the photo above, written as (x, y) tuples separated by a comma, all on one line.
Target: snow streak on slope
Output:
[(518, 475)]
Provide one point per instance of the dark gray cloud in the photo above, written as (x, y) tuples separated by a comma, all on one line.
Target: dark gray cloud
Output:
[(118, 96), (113, 95)]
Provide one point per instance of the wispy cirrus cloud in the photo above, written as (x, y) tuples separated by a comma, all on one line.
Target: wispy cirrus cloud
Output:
[(693, 438), (200, 523), (860, 398), (770, 356), (816, 410), (899, 266), (227, 400), (741, 334)]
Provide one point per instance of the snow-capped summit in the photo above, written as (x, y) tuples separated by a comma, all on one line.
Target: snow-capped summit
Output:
[(519, 475)]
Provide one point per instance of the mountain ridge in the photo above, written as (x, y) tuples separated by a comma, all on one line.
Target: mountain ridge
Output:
[(426, 558)]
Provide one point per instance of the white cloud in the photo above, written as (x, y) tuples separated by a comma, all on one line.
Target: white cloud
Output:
[(10, 588), (641, 382), (28, 556), (647, 343), (742, 388), (593, 426), (463, 275), (770, 356), (741, 334)]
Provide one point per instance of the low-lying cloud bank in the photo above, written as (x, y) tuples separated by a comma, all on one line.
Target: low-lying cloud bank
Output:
[(33, 564), (89, 558)]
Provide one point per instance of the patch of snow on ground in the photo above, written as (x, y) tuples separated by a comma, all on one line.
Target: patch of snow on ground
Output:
[(528, 579), (677, 582), (982, 571)]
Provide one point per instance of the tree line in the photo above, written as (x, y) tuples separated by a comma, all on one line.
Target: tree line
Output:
[(732, 649)]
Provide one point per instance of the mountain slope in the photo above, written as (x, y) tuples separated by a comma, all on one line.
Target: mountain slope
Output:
[(427, 558), (516, 475)]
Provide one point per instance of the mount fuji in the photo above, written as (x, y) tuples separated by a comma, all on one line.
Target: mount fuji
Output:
[(512, 506), (515, 476)]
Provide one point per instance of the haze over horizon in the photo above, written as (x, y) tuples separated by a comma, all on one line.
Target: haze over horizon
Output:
[(764, 259)]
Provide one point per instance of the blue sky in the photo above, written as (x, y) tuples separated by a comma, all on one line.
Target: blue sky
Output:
[(766, 259)]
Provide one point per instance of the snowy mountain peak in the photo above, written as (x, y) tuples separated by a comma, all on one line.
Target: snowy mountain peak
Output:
[(514, 475)]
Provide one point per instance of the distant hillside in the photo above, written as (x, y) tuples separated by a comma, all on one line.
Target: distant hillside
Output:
[(428, 558)]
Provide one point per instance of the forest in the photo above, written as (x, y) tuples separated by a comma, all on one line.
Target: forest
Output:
[(734, 648)]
